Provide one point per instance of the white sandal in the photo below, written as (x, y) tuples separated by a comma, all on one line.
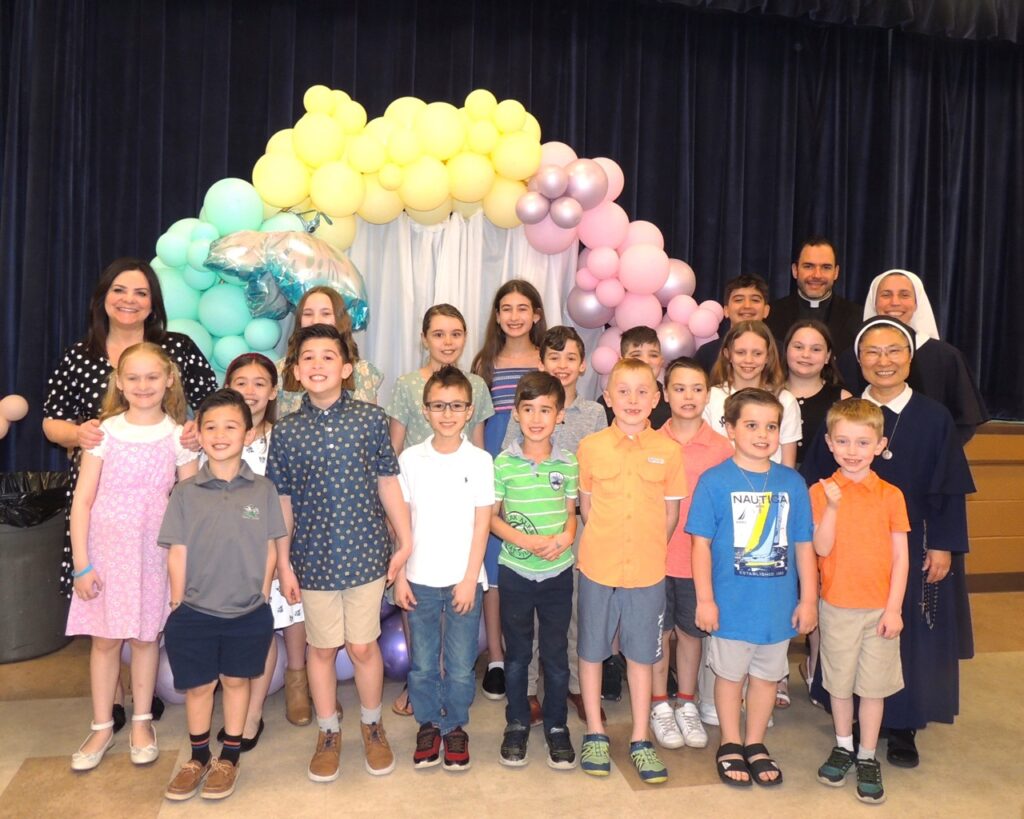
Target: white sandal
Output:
[(148, 753), (80, 760)]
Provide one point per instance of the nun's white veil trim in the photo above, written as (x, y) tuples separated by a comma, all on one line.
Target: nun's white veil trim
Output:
[(923, 320)]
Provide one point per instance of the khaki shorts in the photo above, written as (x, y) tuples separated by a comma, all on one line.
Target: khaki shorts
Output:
[(854, 659), (334, 618), (735, 659)]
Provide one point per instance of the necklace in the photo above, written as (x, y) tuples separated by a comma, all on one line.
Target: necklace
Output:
[(752, 489), (887, 452)]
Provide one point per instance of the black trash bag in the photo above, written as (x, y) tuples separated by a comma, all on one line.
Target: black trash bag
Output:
[(29, 498)]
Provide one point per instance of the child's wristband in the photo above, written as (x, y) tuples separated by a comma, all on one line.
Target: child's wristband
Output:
[(82, 573)]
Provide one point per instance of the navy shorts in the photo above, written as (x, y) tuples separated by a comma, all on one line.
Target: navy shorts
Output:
[(681, 606), (201, 647)]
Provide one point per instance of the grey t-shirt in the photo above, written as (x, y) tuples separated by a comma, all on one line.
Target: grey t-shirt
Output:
[(582, 418), (225, 526)]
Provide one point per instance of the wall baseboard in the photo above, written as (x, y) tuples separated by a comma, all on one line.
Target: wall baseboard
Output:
[(995, 582)]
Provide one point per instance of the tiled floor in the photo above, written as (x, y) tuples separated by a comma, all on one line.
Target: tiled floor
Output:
[(968, 770)]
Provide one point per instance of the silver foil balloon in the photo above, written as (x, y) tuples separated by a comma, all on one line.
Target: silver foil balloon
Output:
[(532, 207), (584, 308), (551, 181), (566, 212), (588, 183), (681, 281)]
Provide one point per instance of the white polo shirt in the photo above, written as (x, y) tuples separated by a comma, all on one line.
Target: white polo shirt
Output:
[(444, 492)]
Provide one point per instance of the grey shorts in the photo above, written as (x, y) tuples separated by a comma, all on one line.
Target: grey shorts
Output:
[(733, 659), (681, 606), (637, 615)]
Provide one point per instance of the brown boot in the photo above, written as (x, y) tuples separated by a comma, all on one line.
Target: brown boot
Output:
[(296, 697)]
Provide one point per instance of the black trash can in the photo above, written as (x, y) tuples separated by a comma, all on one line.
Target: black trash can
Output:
[(33, 613)]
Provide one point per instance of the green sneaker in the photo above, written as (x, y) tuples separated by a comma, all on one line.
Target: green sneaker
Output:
[(645, 760), (836, 767), (594, 758), (869, 782)]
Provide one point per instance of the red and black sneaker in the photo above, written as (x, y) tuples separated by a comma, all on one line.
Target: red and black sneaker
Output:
[(428, 746), (456, 750)]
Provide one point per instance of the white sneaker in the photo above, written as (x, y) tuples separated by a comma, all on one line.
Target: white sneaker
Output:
[(688, 720), (663, 725)]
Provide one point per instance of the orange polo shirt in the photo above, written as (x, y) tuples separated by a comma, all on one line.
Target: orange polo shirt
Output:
[(857, 572), (628, 479)]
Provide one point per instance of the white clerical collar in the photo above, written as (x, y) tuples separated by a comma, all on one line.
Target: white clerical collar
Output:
[(897, 404), (815, 303)]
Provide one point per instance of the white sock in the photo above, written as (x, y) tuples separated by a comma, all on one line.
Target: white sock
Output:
[(330, 723), (368, 716), (865, 753), (500, 664), (846, 743)]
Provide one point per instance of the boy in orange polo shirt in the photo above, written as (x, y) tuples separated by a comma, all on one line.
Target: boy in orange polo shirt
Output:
[(860, 535), (631, 482)]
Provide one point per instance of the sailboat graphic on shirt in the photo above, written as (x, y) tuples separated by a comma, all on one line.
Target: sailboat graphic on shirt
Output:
[(760, 546)]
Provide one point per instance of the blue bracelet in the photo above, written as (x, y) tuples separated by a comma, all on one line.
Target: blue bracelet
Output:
[(84, 571)]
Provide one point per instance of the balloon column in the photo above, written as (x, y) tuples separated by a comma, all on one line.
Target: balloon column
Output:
[(12, 408)]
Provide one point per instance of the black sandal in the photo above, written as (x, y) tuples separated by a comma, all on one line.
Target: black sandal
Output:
[(727, 766), (762, 766)]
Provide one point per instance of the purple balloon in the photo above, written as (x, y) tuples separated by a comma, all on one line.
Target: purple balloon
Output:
[(551, 181), (394, 649), (584, 309), (566, 212), (165, 681), (588, 183), (386, 609), (532, 207), (343, 666)]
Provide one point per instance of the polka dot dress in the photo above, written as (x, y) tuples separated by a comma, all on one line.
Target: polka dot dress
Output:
[(76, 391)]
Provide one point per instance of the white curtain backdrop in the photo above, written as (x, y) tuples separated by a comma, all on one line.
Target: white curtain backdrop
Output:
[(408, 267)]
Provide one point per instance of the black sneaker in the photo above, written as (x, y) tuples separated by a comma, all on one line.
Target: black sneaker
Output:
[(611, 679), (869, 782), (833, 772), (428, 746), (456, 750), (560, 751), (513, 745), (494, 683)]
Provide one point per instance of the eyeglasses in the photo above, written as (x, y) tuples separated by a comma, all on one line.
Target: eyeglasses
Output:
[(441, 406), (872, 354)]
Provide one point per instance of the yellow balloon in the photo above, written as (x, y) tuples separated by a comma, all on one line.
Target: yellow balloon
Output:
[(470, 176), (509, 116), (380, 205), (339, 97), (403, 147), (532, 127), (480, 103), (390, 176), (318, 99), (465, 209), (340, 235), (280, 180), (516, 156), (318, 139), (500, 203), (281, 143), (365, 154), (483, 136), (402, 112), (440, 130), (424, 184), (380, 129), (337, 189), (431, 217), (351, 116)]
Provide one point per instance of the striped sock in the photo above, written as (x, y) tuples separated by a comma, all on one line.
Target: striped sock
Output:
[(231, 749), (200, 747)]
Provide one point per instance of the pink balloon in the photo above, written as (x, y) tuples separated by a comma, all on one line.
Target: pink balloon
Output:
[(547, 237), (584, 309), (603, 262), (676, 340), (638, 310), (588, 183), (551, 181), (585, 280), (566, 212), (642, 233), (581, 259), (603, 359), (532, 207), (714, 307), (604, 226), (681, 308), (703, 323), (643, 269), (556, 153), (610, 338), (681, 281), (616, 179), (610, 292)]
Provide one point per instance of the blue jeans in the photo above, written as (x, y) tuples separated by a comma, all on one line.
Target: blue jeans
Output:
[(442, 700), (551, 600)]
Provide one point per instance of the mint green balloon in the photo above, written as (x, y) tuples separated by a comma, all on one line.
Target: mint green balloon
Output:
[(204, 230), (223, 311), (172, 249), (282, 221), (232, 205), (180, 300), (198, 250), (195, 331), (227, 349), (158, 264), (262, 334), (183, 227), (199, 279)]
